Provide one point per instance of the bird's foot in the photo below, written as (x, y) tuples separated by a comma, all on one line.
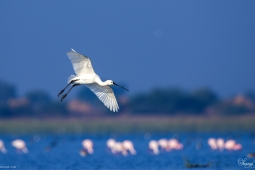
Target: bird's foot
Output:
[(62, 98), (60, 92)]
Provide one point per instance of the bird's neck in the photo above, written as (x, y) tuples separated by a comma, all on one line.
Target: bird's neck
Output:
[(100, 82)]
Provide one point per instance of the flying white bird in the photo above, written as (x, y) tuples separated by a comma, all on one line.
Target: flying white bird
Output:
[(85, 75)]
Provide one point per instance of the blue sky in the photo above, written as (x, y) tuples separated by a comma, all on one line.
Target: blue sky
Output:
[(142, 44)]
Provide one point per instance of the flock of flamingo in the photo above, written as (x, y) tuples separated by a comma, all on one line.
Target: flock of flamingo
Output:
[(19, 144), (220, 144), (127, 147)]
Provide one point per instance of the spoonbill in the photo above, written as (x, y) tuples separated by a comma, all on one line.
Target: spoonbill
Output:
[(85, 75)]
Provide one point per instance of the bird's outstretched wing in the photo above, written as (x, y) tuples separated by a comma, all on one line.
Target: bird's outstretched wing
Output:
[(81, 63), (105, 94)]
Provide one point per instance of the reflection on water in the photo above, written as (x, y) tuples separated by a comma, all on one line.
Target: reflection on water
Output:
[(64, 152)]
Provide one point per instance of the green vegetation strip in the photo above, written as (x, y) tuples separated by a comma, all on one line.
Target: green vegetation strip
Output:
[(126, 124)]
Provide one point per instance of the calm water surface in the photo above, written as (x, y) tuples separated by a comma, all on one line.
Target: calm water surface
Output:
[(65, 152)]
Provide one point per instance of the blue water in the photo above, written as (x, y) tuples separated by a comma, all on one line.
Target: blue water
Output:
[(65, 152)]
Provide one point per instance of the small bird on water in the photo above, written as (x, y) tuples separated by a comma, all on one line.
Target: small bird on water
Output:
[(85, 75)]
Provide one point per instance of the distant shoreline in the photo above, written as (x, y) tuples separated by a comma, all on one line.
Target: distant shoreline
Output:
[(128, 124)]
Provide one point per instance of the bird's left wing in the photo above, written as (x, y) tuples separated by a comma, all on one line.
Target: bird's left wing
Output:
[(81, 63), (105, 94)]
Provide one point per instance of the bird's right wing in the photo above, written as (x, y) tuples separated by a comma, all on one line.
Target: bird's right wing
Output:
[(81, 63), (105, 94)]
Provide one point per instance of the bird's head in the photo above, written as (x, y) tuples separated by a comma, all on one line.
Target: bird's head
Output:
[(110, 82)]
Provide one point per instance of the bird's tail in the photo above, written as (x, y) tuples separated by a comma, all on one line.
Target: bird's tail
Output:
[(70, 78)]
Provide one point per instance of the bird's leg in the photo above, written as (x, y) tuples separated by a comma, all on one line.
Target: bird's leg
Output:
[(63, 96), (71, 82), (63, 89)]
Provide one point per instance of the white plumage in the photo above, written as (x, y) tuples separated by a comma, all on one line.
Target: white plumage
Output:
[(105, 94), (153, 146), (121, 147), (20, 145), (163, 144), (88, 145), (81, 64), (85, 75), (129, 146)]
